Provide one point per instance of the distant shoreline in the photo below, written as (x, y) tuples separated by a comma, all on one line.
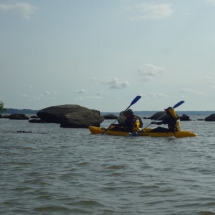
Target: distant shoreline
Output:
[(30, 111), (19, 111)]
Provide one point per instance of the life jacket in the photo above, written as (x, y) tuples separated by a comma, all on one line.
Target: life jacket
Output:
[(136, 126), (177, 126)]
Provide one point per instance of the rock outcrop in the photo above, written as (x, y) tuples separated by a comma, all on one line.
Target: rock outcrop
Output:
[(82, 119), (161, 115), (71, 116), (17, 116), (210, 118), (110, 116), (184, 117)]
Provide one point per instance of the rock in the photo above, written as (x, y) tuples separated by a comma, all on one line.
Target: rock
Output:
[(71, 116), (210, 118), (184, 117), (161, 115), (110, 116), (34, 117), (82, 119), (5, 116), (56, 113), (17, 116)]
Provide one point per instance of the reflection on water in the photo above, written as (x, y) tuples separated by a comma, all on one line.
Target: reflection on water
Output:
[(55, 170)]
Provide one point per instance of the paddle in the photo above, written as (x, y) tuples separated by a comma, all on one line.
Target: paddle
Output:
[(175, 106), (133, 102)]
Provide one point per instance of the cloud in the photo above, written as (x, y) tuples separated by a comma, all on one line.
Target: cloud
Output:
[(23, 9), (30, 87), (148, 71), (193, 92), (100, 93), (81, 91), (211, 2), (94, 97), (146, 79), (157, 95), (116, 83), (150, 11)]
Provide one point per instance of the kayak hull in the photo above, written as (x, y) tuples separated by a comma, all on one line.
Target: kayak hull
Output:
[(145, 132)]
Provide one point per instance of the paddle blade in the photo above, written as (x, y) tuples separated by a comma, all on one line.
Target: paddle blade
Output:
[(135, 100), (178, 104)]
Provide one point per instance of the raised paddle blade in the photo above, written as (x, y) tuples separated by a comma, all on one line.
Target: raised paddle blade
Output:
[(133, 102), (178, 104)]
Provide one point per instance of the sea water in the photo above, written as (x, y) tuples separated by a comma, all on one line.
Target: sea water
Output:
[(55, 171)]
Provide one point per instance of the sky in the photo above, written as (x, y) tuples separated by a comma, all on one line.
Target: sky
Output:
[(101, 54)]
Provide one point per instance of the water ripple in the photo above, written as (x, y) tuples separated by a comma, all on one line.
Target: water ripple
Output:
[(68, 171)]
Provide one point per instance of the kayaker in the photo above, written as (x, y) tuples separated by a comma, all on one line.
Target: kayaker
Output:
[(172, 120), (127, 122), (122, 117)]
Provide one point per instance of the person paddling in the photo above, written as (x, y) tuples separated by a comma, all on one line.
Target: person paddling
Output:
[(128, 122), (171, 119)]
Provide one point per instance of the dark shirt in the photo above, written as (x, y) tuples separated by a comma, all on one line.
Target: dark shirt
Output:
[(170, 121), (129, 123)]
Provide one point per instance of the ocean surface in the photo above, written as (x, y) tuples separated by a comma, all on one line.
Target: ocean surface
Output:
[(57, 171)]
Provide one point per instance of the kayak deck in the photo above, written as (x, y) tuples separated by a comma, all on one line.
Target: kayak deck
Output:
[(144, 132)]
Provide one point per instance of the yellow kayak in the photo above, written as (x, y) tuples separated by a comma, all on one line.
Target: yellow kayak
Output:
[(144, 132)]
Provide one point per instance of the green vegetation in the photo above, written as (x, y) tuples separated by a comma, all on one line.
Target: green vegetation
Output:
[(2, 109)]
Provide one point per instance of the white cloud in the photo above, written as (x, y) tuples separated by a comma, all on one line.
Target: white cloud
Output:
[(149, 70), (154, 95), (157, 95), (23, 9), (117, 84), (151, 11), (146, 79), (47, 93), (81, 91), (24, 95), (30, 87), (100, 93), (212, 2), (193, 92), (94, 97)]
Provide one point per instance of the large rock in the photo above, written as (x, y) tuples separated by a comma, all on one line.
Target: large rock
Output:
[(82, 119), (110, 116), (210, 118), (18, 116), (161, 115), (73, 116), (184, 117)]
